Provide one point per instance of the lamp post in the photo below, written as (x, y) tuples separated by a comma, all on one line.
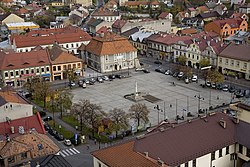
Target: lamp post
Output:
[(199, 101), (183, 110), (159, 110)]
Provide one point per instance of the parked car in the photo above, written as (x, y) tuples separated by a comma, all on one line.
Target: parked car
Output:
[(158, 62), (239, 93), (99, 79), (194, 78), (105, 78), (72, 84), (175, 74), (67, 142), (80, 82), (213, 85), (180, 75), (111, 77), (52, 132), (231, 89), (186, 80), (208, 83), (86, 80), (84, 85), (49, 118), (119, 76), (219, 86), (231, 113), (168, 72), (92, 80), (139, 69), (159, 70), (225, 88), (46, 127), (59, 137), (146, 71)]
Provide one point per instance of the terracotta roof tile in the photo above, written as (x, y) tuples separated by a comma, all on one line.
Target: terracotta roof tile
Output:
[(136, 3), (10, 96), (24, 59), (105, 12), (48, 37), (119, 23), (233, 22), (109, 44), (27, 122), (163, 15), (123, 155), (237, 52), (59, 56)]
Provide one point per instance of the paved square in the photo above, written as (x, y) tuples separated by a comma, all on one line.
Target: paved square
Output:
[(110, 94)]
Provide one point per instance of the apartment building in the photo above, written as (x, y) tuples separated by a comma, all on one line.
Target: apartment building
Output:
[(235, 59), (106, 14)]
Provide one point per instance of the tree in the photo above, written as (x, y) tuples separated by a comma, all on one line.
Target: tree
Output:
[(88, 113), (215, 77), (119, 119), (139, 112), (63, 101), (72, 77), (182, 60), (204, 63)]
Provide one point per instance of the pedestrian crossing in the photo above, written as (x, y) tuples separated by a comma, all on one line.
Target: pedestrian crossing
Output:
[(68, 152)]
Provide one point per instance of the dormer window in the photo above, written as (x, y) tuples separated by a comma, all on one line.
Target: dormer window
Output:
[(10, 65), (41, 61), (26, 63)]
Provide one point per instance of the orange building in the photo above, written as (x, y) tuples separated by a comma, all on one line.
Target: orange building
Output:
[(227, 27)]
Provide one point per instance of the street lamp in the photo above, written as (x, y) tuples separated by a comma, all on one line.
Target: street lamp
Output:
[(159, 110), (199, 101)]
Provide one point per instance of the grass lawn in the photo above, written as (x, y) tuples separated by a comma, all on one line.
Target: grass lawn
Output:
[(70, 119), (67, 134)]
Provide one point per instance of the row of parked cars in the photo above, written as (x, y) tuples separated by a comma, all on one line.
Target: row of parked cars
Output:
[(54, 133), (91, 81)]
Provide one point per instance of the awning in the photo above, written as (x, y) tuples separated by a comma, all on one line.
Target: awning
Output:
[(45, 75)]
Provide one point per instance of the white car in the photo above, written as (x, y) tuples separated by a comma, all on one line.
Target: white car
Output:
[(180, 75), (105, 78), (194, 78), (67, 142), (84, 85)]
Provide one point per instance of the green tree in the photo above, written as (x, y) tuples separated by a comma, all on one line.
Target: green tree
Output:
[(72, 77), (63, 101), (139, 112), (204, 63), (119, 119), (182, 60), (215, 77)]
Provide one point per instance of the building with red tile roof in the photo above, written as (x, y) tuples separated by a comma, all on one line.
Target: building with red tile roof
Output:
[(13, 107), (15, 68), (118, 50), (192, 143), (166, 15), (106, 14), (227, 27), (70, 38)]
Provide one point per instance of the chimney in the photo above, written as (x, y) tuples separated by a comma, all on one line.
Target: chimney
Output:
[(160, 162), (12, 128), (146, 154), (223, 123)]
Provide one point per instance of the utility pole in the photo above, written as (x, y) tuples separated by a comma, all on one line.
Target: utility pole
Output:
[(176, 107)]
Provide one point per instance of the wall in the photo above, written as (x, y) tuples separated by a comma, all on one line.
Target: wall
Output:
[(97, 163), (17, 111)]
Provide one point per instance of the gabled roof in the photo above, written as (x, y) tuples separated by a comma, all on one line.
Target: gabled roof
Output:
[(123, 155), (35, 58), (60, 56), (95, 22), (50, 161), (10, 97), (209, 14), (109, 44), (105, 12), (232, 22), (48, 37), (119, 23), (237, 52), (3, 16), (130, 32), (32, 122), (163, 15)]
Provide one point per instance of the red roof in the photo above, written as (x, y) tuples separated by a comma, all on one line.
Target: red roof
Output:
[(163, 15), (119, 23), (32, 122), (48, 36), (233, 22), (103, 29)]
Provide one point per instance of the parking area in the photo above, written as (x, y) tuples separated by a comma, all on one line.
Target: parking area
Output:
[(178, 99)]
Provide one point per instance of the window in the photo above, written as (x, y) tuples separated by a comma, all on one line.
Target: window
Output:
[(64, 67), (176, 52), (11, 159), (42, 69), (37, 70), (27, 71), (22, 72), (227, 150), (32, 71), (189, 55), (220, 153), (23, 155), (197, 57), (212, 156), (220, 60), (74, 66), (233, 156), (79, 65), (69, 66), (232, 62), (240, 149), (193, 56), (245, 65), (99, 164), (17, 72), (72, 45), (67, 45), (6, 74), (47, 69), (194, 163), (59, 68), (226, 61), (237, 63), (186, 164), (54, 68)]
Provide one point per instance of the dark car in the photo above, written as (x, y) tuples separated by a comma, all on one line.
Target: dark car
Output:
[(111, 77), (146, 71), (158, 62), (175, 74), (49, 118), (159, 70), (118, 76), (46, 127), (52, 132), (231, 89), (219, 86), (59, 137), (99, 79), (239, 93)]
